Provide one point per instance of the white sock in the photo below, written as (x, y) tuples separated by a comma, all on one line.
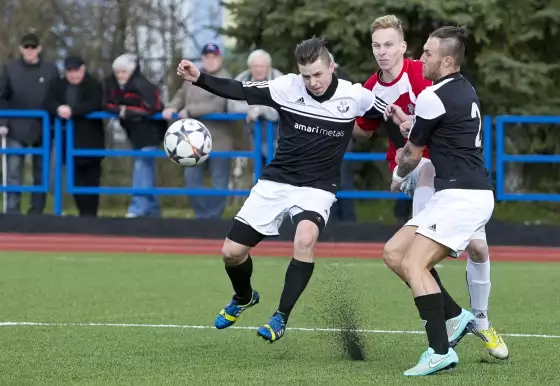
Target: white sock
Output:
[(478, 280), (422, 195)]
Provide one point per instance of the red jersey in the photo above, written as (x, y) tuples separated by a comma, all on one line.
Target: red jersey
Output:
[(402, 92)]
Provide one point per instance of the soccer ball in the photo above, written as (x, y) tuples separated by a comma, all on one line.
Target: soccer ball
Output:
[(187, 142)]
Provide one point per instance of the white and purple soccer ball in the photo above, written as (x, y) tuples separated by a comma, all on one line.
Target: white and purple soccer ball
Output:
[(187, 142)]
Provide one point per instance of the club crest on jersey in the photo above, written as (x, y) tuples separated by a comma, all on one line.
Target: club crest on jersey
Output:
[(410, 108), (343, 107)]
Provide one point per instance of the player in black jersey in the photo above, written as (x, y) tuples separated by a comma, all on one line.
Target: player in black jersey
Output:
[(448, 120), (317, 113)]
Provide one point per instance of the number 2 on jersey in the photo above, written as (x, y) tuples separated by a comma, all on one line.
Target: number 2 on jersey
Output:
[(475, 113)]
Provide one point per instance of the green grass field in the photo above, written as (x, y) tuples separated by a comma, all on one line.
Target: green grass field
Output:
[(165, 297)]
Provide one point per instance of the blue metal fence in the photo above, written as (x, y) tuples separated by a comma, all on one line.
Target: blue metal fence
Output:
[(502, 157), (256, 155), (44, 151)]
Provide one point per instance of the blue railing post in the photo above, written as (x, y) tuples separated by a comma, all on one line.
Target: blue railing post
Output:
[(70, 156), (257, 150), (270, 140), (500, 147), (487, 142), (46, 170), (58, 192)]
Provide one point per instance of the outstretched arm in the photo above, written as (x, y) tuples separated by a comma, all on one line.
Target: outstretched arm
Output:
[(255, 93)]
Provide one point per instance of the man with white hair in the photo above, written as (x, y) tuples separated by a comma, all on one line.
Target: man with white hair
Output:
[(130, 95), (259, 69)]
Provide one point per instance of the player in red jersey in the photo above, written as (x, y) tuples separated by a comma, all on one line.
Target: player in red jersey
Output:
[(399, 82)]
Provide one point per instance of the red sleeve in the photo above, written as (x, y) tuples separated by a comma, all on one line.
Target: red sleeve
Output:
[(391, 155), (363, 123)]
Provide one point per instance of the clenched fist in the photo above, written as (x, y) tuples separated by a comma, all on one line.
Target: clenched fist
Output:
[(396, 113), (188, 71)]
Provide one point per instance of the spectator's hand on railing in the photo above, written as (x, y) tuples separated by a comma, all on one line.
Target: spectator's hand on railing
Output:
[(3, 131), (168, 113), (188, 71), (253, 115), (64, 111)]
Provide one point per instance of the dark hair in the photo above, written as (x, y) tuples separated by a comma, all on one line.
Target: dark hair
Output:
[(452, 42), (308, 51)]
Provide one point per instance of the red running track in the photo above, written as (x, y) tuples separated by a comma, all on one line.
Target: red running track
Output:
[(116, 244)]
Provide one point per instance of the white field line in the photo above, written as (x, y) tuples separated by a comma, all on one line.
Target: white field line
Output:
[(194, 327)]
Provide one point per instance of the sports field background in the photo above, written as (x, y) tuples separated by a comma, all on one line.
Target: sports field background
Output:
[(141, 318)]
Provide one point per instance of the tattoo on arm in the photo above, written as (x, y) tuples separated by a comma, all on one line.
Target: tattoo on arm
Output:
[(407, 162)]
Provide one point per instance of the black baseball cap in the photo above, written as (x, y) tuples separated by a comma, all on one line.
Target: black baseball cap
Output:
[(73, 62), (29, 40), (211, 48)]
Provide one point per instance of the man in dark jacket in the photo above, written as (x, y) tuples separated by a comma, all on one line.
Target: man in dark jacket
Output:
[(130, 95), (24, 84), (73, 97)]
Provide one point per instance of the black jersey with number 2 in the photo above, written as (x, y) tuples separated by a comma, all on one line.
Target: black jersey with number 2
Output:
[(448, 120), (314, 131)]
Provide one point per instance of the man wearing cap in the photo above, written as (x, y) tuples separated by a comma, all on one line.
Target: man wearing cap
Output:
[(195, 102), (73, 97), (24, 84)]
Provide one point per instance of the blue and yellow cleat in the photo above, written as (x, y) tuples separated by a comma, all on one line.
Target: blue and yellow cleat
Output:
[(274, 329), (431, 363), (459, 326), (229, 315)]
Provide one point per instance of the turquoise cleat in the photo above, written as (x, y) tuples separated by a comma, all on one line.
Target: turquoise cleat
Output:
[(431, 363), (460, 326)]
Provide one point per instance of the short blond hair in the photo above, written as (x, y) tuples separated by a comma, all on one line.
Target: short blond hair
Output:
[(386, 22)]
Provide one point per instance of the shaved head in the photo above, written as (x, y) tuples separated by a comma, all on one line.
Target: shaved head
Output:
[(451, 43)]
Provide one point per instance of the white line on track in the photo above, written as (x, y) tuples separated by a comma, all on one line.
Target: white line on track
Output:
[(194, 327)]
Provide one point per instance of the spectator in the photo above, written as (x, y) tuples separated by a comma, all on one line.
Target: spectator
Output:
[(195, 102), (72, 97), (259, 69), (130, 95), (344, 209), (24, 84)]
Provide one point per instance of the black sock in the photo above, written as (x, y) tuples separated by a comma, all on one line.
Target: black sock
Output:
[(297, 277), (430, 308), (240, 276), (450, 308)]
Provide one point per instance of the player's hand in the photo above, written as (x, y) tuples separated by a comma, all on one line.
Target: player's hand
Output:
[(3, 131), (405, 128), (188, 71), (396, 114), (398, 155), (395, 186)]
